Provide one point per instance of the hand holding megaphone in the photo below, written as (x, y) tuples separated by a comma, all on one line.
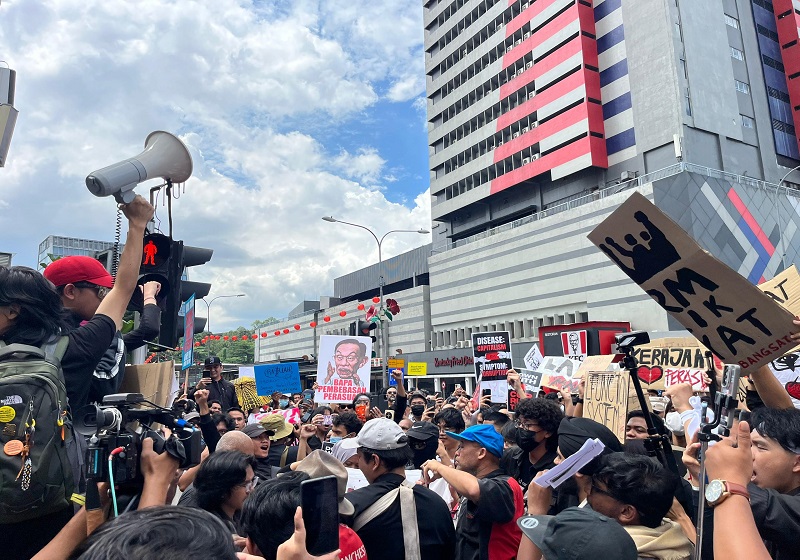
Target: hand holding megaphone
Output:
[(164, 156)]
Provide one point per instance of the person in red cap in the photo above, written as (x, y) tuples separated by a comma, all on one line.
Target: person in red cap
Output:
[(82, 282), (31, 313)]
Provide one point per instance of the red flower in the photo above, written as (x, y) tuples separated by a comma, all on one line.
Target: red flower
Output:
[(393, 306)]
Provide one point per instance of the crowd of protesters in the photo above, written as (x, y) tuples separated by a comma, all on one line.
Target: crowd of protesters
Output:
[(439, 476)]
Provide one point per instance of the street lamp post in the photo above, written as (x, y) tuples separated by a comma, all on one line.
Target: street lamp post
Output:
[(208, 307), (780, 220), (381, 281)]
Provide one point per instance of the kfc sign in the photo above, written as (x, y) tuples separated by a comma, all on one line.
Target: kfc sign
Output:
[(574, 345)]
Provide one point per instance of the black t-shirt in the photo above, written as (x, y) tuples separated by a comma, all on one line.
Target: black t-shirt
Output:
[(491, 524), (529, 470), (87, 344), (383, 536)]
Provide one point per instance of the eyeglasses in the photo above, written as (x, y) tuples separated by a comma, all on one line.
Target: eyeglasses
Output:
[(351, 358), (102, 291), (529, 426), (248, 485)]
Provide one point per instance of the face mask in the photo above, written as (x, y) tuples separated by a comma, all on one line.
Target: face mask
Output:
[(527, 440), (418, 410), (673, 422), (284, 403), (426, 453), (335, 439)]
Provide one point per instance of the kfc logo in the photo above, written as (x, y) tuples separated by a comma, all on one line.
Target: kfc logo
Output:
[(574, 345)]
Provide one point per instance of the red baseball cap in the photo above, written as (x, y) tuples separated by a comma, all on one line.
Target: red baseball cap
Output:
[(77, 268)]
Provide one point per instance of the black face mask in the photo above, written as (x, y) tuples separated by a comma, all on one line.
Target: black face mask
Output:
[(418, 410), (425, 453), (527, 440)]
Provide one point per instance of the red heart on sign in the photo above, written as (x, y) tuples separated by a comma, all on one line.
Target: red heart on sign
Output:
[(793, 388), (650, 374)]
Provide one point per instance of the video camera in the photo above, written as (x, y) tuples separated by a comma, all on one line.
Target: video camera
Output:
[(116, 430)]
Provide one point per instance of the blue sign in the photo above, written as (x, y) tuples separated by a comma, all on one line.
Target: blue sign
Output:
[(284, 378), (188, 333)]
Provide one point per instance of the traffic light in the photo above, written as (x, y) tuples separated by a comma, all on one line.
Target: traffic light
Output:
[(156, 263), (365, 328), (182, 256), (352, 331)]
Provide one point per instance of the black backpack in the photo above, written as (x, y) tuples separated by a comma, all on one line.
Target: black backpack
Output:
[(33, 408)]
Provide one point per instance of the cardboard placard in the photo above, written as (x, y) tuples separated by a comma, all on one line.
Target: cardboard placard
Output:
[(608, 397), (154, 381), (784, 289), (669, 361), (728, 315), (284, 378), (602, 362), (558, 372), (343, 368)]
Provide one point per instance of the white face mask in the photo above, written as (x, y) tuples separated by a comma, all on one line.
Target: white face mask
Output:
[(673, 422)]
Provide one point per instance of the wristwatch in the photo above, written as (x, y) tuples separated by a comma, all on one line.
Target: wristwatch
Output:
[(718, 490)]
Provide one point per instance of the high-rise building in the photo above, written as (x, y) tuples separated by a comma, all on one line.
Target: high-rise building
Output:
[(63, 246), (534, 102)]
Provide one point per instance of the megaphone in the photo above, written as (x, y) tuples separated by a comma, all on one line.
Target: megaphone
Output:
[(164, 156)]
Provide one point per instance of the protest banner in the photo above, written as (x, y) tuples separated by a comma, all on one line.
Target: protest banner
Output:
[(558, 372), (533, 358), (491, 352), (284, 378), (417, 368), (343, 369), (723, 310), (154, 381), (608, 397), (669, 361)]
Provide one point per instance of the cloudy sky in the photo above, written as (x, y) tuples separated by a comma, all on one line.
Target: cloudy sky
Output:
[(291, 109)]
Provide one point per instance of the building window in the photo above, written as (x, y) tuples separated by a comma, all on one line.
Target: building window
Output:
[(737, 54), (742, 87), (732, 21), (747, 122)]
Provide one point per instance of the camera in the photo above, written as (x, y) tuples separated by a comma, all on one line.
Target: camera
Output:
[(628, 340), (116, 430)]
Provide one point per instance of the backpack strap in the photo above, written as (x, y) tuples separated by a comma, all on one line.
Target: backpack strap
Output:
[(284, 455), (408, 516), (9, 349), (55, 349)]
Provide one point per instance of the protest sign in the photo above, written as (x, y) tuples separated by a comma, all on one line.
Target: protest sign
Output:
[(396, 364), (154, 381), (669, 361), (784, 289), (491, 352), (417, 368), (607, 398), (533, 358), (723, 310), (558, 372), (284, 378), (532, 380), (343, 369), (787, 370), (602, 362)]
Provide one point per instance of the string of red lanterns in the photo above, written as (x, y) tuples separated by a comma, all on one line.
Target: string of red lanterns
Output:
[(285, 331)]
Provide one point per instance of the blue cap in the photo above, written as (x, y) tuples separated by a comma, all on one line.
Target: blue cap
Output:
[(484, 435)]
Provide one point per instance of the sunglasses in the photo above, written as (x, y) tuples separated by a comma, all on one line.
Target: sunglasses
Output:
[(102, 291)]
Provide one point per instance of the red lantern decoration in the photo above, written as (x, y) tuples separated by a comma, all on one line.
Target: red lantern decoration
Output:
[(312, 324), (376, 299), (297, 327), (360, 307), (225, 337), (263, 335), (254, 336), (196, 344), (342, 313), (277, 333), (234, 338), (285, 331), (177, 348), (326, 319)]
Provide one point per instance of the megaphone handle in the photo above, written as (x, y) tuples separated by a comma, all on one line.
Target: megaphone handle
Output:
[(125, 196)]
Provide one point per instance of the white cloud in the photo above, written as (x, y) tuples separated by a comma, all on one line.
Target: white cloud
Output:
[(94, 77)]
